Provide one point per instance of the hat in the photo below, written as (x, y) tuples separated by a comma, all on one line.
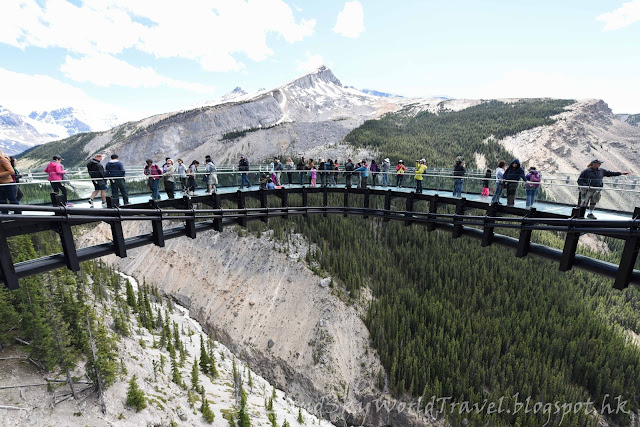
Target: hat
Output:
[(241, 155), (275, 157), (423, 160), (532, 168), (400, 161), (386, 160), (596, 161), (349, 159), (57, 158)]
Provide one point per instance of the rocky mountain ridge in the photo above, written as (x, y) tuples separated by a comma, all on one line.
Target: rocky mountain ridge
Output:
[(20, 132)]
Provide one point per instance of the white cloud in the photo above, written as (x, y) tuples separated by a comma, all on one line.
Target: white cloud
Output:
[(311, 63), (622, 17), (24, 93), (350, 22), (207, 31), (105, 70)]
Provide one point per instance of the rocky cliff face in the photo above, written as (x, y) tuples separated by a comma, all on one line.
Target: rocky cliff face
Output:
[(270, 310), (586, 131)]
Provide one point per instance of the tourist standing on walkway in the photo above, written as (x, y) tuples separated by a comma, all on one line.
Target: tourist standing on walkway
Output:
[(314, 174), (300, 167), (279, 168), (321, 172), (16, 178), (400, 171), (348, 172), (289, 167), (374, 172), (511, 176), (386, 165), (7, 190), (458, 171), (336, 170), (502, 165), (182, 175), (590, 182), (96, 171), (243, 166), (169, 178), (532, 186), (192, 173), (364, 174), (114, 169), (485, 183), (331, 176), (153, 173), (211, 174), (421, 168), (56, 172)]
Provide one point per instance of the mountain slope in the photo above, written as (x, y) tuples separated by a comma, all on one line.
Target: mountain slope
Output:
[(298, 116)]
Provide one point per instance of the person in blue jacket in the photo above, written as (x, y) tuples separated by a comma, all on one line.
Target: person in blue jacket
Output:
[(115, 170), (511, 176), (364, 173)]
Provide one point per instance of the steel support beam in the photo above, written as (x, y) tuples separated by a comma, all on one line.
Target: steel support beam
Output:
[(628, 258)]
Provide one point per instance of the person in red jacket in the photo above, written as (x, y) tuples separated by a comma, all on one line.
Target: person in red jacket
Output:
[(56, 176)]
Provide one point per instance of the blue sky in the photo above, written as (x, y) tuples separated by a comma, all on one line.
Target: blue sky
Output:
[(140, 57)]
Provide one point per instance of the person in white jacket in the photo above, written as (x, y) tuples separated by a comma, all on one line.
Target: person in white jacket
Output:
[(502, 165)]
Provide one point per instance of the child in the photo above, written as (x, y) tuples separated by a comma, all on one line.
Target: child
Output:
[(313, 175), (485, 183)]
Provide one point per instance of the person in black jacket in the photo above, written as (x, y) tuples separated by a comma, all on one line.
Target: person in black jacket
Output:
[(96, 171), (348, 172), (590, 182), (511, 176), (244, 167), (458, 171), (115, 170), (300, 167)]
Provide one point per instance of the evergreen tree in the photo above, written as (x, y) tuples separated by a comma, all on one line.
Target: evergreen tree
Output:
[(135, 396), (204, 358), (207, 413), (194, 374)]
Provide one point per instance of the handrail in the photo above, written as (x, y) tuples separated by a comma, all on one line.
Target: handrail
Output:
[(480, 226)]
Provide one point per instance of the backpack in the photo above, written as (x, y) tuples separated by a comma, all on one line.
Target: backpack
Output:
[(534, 178)]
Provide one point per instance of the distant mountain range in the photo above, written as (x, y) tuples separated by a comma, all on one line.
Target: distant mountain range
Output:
[(19, 132)]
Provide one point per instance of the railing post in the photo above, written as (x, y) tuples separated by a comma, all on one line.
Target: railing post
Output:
[(487, 231), (156, 226), (217, 204), (284, 196), (305, 201), (7, 270), (242, 221), (190, 224), (457, 223), (325, 200), (66, 237), (263, 205), (116, 231), (409, 208), (571, 242), (365, 204), (387, 206), (629, 256), (433, 208), (346, 199), (524, 241)]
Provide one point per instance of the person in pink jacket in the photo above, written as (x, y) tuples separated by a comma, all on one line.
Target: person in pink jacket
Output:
[(56, 176)]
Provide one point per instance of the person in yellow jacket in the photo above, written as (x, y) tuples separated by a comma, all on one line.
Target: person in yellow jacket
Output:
[(7, 190), (421, 168)]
